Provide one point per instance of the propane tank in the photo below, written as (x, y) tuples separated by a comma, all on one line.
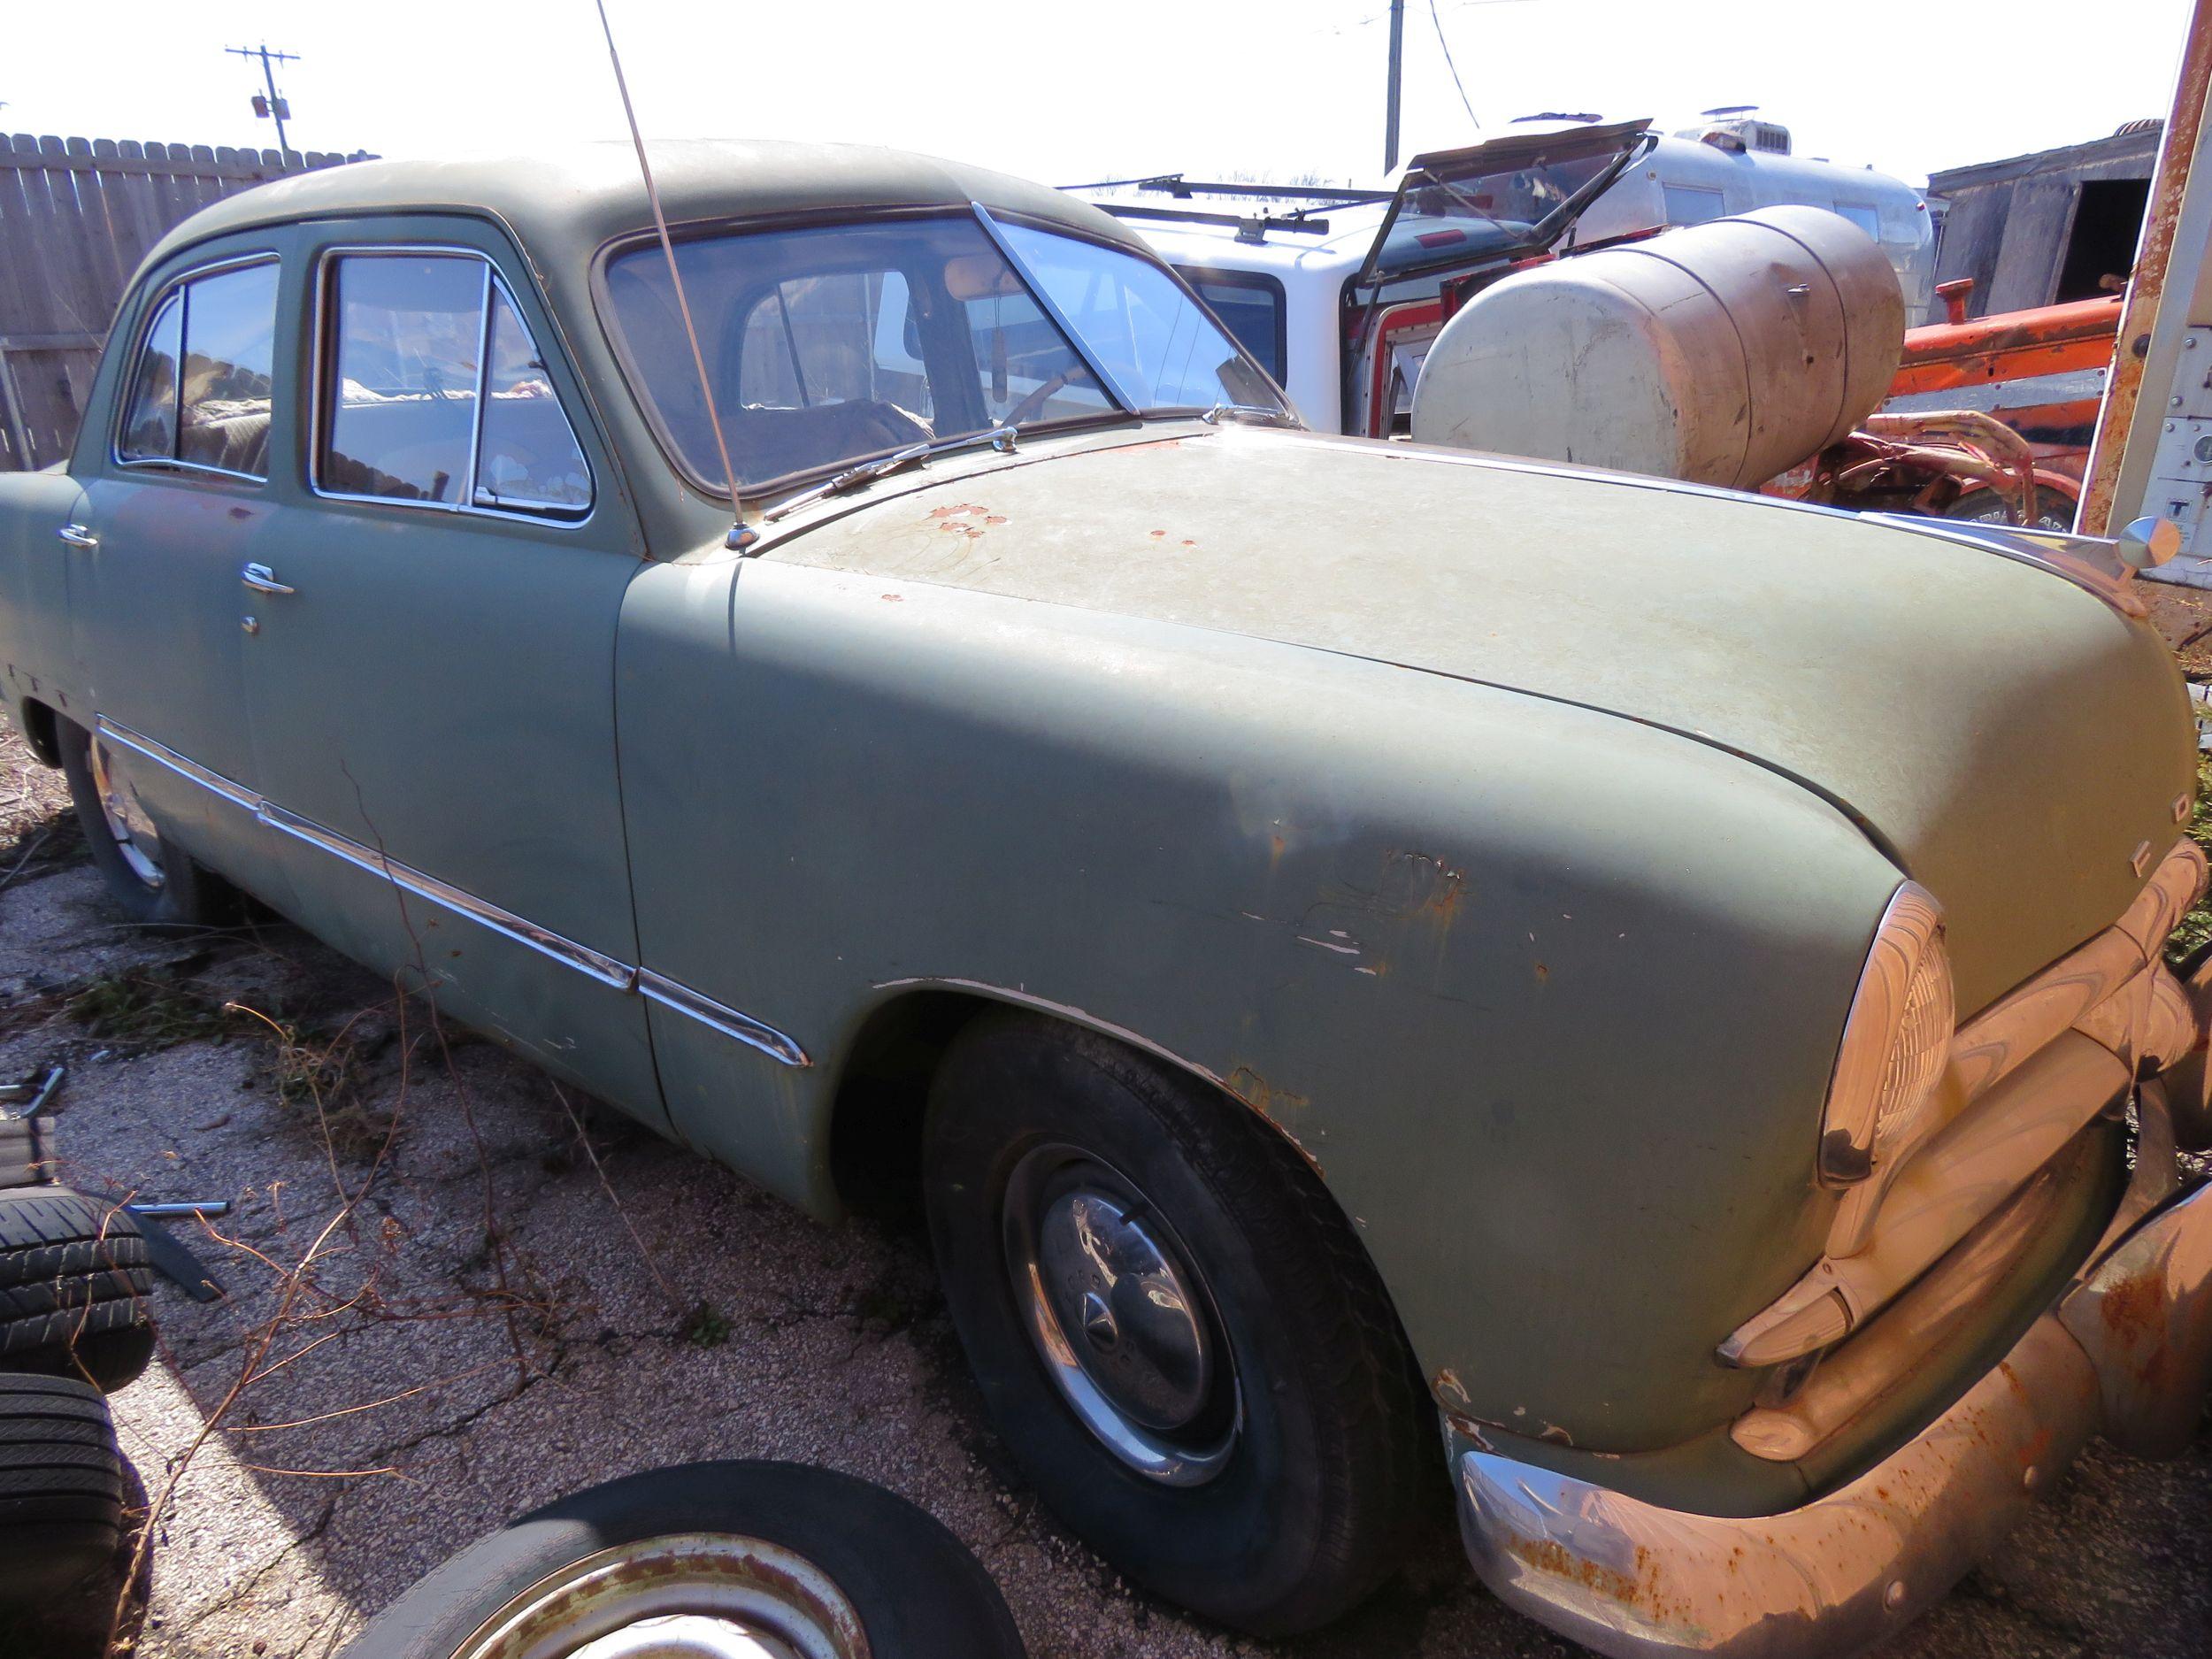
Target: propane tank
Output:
[(1723, 353)]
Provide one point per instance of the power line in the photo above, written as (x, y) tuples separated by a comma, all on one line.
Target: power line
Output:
[(1439, 25)]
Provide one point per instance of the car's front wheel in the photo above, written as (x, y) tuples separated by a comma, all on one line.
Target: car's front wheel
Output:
[(1173, 1325), (153, 881)]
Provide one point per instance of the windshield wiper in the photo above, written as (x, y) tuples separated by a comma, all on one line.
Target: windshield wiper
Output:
[(1000, 438)]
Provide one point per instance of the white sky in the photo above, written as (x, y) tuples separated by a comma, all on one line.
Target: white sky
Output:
[(1113, 88)]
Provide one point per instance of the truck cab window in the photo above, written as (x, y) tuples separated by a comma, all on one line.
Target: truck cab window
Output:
[(205, 384), (434, 392)]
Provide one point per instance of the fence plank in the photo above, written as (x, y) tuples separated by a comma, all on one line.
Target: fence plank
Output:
[(76, 218)]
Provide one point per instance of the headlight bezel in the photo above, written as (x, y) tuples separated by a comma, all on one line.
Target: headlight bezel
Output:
[(1895, 1046)]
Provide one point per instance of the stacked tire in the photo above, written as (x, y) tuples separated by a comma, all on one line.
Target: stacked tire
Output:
[(74, 1325), (74, 1284)]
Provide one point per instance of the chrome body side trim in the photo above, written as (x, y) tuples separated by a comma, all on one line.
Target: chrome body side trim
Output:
[(608, 970), (605, 969), (162, 755), (1841, 1574), (658, 987)]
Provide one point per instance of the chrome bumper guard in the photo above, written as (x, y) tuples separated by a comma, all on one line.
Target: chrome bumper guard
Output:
[(2126, 1352)]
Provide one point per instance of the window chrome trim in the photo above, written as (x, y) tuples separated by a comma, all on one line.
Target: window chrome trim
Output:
[(1107, 383), (173, 288), (323, 323), (608, 970)]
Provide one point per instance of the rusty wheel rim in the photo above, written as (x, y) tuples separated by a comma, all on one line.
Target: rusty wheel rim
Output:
[(686, 1595)]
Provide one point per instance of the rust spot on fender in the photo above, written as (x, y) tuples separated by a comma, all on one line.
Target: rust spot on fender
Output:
[(965, 518), (1272, 1104)]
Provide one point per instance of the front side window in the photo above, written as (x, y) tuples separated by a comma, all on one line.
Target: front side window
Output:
[(833, 343), (205, 381), (435, 392), (1156, 343)]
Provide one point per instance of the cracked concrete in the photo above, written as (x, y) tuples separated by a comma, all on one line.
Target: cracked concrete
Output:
[(408, 1406)]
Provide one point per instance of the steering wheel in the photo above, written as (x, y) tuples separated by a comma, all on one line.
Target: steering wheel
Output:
[(1026, 410)]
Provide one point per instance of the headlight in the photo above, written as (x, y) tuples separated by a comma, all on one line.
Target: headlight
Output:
[(1896, 1043)]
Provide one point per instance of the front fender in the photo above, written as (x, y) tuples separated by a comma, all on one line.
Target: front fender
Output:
[(1547, 998)]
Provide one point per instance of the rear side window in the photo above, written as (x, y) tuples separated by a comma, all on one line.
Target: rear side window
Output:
[(1250, 307), (435, 392), (205, 384)]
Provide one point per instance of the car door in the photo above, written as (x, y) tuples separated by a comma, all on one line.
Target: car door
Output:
[(431, 677), (176, 498)]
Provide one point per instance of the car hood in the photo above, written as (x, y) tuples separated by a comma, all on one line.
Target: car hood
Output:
[(2007, 736)]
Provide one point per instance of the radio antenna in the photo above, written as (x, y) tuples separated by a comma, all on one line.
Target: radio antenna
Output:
[(740, 535)]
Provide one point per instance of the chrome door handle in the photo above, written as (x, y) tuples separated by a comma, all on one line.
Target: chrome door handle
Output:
[(262, 579), (78, 535)]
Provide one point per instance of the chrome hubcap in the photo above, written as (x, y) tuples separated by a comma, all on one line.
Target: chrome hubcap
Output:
[(128, 825), (1125, 1327)]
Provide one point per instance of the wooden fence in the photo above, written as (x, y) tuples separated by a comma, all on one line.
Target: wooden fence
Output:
[(76, 216)]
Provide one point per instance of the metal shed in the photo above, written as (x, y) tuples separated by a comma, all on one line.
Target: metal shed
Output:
[(2041, 229)]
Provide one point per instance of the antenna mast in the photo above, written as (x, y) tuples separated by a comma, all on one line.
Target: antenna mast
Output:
[(740, 535)]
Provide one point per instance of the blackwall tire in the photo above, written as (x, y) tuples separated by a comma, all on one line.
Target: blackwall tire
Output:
[(62, 1483), (911, 1587), (1274, 1511), (74, 1284), (156, 884)]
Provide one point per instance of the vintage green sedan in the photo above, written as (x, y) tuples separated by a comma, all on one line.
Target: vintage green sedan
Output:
[(1375, 960)]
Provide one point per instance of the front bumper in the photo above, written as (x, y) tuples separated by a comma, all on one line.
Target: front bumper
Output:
[(2126, 1352)]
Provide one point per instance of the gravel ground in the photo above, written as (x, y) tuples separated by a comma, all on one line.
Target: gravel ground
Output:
[(459, 1295)]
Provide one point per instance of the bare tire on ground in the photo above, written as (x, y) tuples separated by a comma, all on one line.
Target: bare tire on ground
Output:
[(74, 1283), (737, 1558), (154, 881), (1176, 1333)]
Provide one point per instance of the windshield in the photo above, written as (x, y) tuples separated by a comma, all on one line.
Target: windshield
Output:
[(1457, 207), (830, 344)]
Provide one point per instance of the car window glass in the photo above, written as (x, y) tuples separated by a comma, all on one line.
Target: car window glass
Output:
[(1251, 307), (229, 359), (205, 375), (1151, 337), (402, 407), (150, 432), (832, 343), (842, 337), (409, 332), (529, 455)]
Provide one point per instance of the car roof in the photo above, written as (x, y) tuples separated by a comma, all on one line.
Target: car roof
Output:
[(567, 202)]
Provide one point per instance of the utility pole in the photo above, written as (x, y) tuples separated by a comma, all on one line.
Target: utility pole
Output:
[(1390, 105), (275, 104)]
